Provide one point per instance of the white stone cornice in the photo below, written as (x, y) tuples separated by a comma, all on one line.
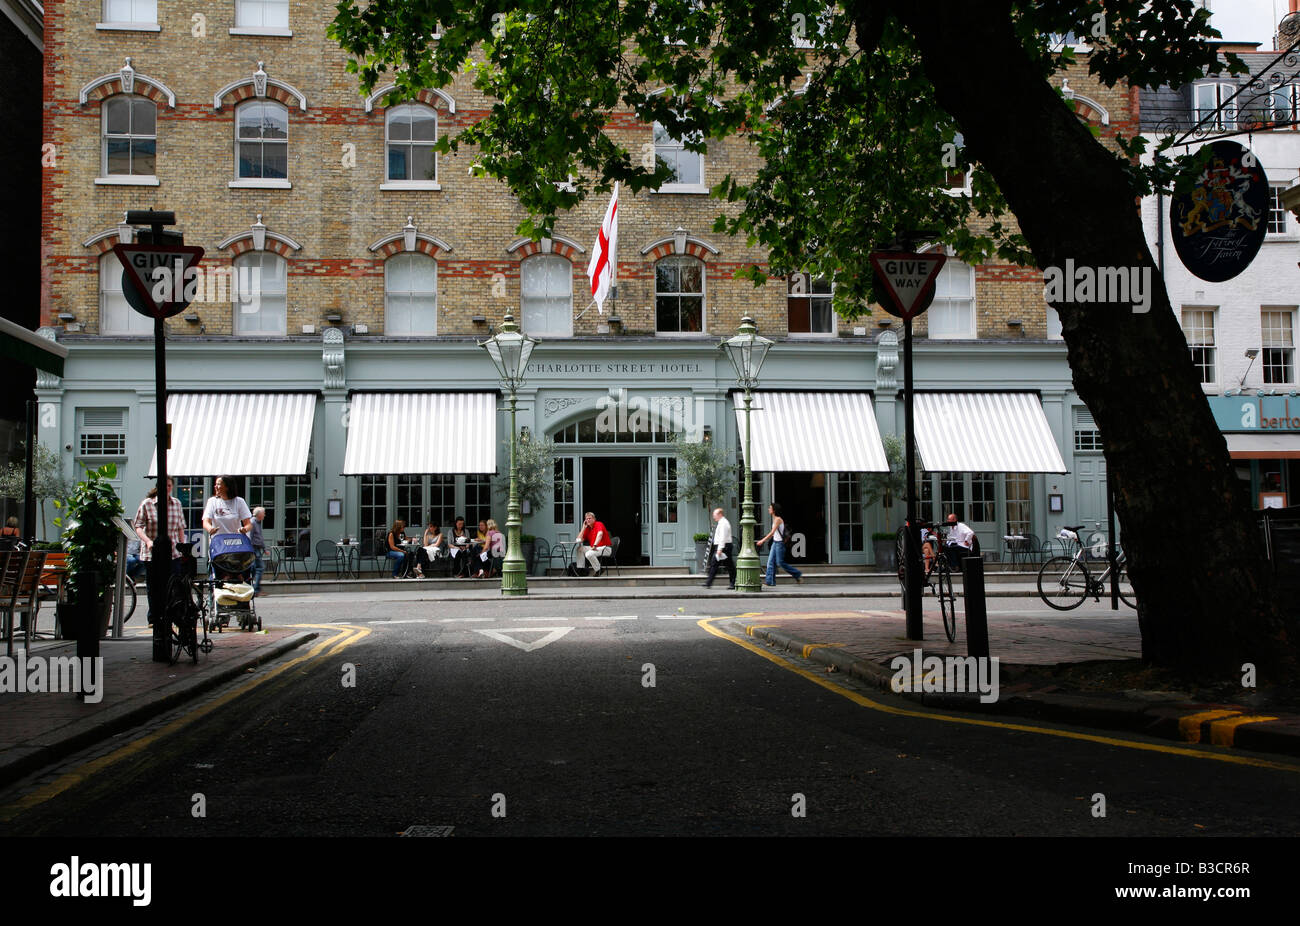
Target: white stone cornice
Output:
[(259, 81), (520, 242), (84, 96), (379, 94)]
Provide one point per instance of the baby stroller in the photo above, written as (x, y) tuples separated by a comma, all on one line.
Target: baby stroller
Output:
[(232, 557)]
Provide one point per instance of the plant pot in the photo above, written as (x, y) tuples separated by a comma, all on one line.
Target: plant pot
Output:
[(884, 552), (527, 547), (701, 556)]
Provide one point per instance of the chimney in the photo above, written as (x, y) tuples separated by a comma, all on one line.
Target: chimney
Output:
[(1288, 29)]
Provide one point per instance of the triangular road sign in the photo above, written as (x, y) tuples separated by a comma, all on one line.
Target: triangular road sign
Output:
[(159, 280), (907, 279), (552, 634)]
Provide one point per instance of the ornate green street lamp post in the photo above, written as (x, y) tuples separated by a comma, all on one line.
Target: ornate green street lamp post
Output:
[(509, 350), (746, 351)]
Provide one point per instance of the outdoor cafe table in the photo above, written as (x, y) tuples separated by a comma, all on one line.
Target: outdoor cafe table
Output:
[(349, 558)]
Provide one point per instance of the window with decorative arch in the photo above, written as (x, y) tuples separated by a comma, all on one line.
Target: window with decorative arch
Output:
[(262, 140), (410, 132), (410, 295), (679, 295), (546, 295), (129, 129), (260, 293)]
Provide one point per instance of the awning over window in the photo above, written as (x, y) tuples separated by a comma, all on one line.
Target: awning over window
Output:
[(985, 432), (238, 434), (422, 432), (813, 432), (1263, 446), (30, 349)]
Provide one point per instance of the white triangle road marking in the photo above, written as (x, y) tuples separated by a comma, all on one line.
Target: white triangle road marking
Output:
[(554, 633)]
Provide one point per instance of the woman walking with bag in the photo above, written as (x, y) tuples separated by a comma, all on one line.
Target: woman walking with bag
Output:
[(778, 536)]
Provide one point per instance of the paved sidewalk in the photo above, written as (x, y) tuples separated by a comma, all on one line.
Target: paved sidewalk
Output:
[(37, 728), (863, 644)]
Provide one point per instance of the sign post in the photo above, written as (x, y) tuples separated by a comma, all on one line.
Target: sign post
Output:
[(908, 283), (156, 278)]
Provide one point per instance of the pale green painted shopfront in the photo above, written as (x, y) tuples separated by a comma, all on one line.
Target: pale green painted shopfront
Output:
[(341, 435)]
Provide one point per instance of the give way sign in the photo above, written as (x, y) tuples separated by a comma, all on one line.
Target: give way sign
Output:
[(907, 280), (159, 280)]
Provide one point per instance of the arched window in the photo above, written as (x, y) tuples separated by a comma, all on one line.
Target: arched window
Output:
[(410, 295), (546, 284), (262, 141), (130, 134), (412, 131), (679, 295), (261, 293), (115, 316), (952, 314)]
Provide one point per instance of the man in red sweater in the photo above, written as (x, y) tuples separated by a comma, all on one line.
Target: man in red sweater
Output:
[(593, 542)]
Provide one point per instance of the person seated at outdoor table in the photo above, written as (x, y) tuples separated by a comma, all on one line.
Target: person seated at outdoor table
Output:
[(396, 551), (430, 548), (593, 542), (494, 546), (460, 549)]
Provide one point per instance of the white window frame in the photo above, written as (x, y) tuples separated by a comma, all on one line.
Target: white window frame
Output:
[(110, 288), (280, 296), (1211, 345), (703, 294), (531, 263), (1275, 207), (131, 179), (808, 282), (265, 183), (678, 145), (136, 24), (245, 28), (96, 431), (432, 308), (389, 183), (940, 299), (1288, 313), (1226, 120)]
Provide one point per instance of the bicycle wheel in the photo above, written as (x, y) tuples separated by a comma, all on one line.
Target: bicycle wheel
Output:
[(900, 559), (128, 601), (183, 615), (947, 601), (1063, 582), (1126, 588)]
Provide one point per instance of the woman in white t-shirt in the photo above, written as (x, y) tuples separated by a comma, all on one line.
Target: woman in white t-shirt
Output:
[(225, 512)]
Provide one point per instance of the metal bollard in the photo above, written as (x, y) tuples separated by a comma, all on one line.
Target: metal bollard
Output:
[(977, 615)]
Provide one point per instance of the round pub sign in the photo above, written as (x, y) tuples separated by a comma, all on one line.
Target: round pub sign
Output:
[(1219, 223)]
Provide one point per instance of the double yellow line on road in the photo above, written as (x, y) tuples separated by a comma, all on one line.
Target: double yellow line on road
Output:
[(330, 646), (863, 701)]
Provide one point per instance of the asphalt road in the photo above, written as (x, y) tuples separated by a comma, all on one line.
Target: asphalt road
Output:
[(532, 717)]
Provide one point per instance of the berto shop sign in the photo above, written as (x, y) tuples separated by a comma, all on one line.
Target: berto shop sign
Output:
[(1255, 413)]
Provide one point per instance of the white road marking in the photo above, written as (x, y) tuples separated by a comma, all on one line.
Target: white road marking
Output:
[(554, 634), (680, 617), (463, 620), (420, 620), (543, 618), (613, 617)]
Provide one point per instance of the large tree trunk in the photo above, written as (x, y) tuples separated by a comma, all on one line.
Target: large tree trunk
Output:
[(1197, 562)]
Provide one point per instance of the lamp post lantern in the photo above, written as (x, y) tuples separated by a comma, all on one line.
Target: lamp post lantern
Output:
[(746, 351), (509, 349)]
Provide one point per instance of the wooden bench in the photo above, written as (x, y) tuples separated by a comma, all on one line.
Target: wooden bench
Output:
[(20, 573)]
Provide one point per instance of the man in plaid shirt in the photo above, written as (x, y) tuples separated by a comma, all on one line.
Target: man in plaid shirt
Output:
[(146, 525)]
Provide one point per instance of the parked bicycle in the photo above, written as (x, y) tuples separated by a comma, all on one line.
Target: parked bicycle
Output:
[(188, 611), (129, 594), (937, 578), (1064, 581)]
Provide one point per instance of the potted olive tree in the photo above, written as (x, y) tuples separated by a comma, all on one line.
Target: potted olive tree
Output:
[(885, 488), (708, 477), (91, 541), (534, 482)]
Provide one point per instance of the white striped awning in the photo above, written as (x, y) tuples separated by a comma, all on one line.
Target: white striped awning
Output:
[(238, 434), (985, 432), (813, 432), (422, 433)]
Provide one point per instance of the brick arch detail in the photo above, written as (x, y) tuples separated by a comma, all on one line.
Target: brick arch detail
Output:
[(143, 87), (398, 246), (245, 245), (558, 249), (666, 249), (239, 94), (427, 97)]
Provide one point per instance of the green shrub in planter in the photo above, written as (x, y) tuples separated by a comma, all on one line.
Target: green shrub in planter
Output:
[(700, 538), (882, 535), (89, 535)]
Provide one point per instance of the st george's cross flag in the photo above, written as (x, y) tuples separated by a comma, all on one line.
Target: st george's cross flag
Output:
[(604, 256)]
